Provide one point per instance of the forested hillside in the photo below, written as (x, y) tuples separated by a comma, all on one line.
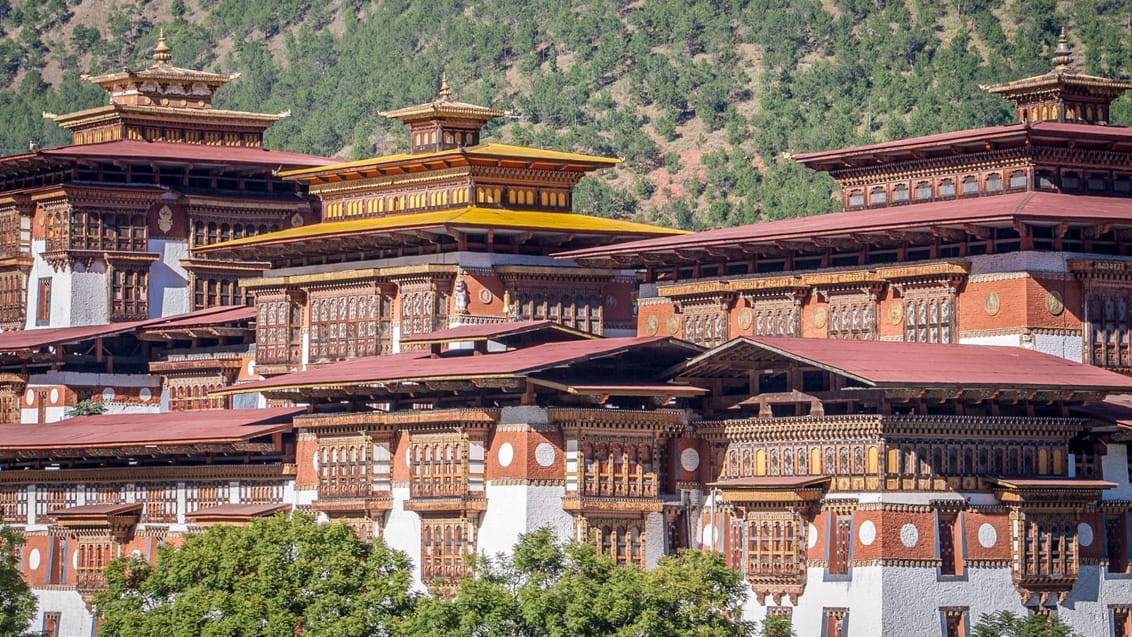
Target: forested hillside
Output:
[(705, 100)]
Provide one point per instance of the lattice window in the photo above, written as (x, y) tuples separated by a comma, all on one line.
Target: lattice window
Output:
[(129, 294), (1121, 621), (773, 543), (13, 300), (11, 233), (946, 525), (954, 621), (852, 318), (194, 394), (261, 493), (14, 505), (1108, 329), (840, 543), (419, 312), (439, 467), (444, 545), (110, 231), (618, 469), (929, 319), (204, 495), (923, 191), (969, 185), (278, 330), (775, 318), (579, 311), (621, 540), (218, 291), (706, 327), (159, 502), (1048, 547), (347, 326), (342, 469), (90, 560), (1116, 542), (993, 182), (834, 622), (54, 498)]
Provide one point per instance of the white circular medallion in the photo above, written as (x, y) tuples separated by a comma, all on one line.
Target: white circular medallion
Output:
[(75, 560), (108, 394), (33, 559), (54, 395), (987, 535), (145, 394), (408, 459), (506, 454), (690, 459), (909, 535), (29, 397), (135, 553), (811, 536), (1084, 534), (251, 368), (868, 532), (709, 535), (544, 454), (314, 462)]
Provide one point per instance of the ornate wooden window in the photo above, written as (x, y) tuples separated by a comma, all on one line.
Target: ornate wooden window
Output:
[(923, 190), (12, 233), (193, 393), (43, 302), (1048, 546), (856, 199), (91, 559), (1122, 621), (618, 469), (580, 311), (707, 328), (839, 544), (204, 495), (928, 319), (439, 467), (261, 492), (105, 231), (1018, 180), (51, 624), (946, 187), (278, 330), (159, 502), (1070, 181), (14, 505), (993, 182), (949, 554), (900, 193), (621, 540), (834, 621), (346, 325), (420, 312), (852, 318), (1108, 327), (444, 545), (129, 294), (969, 185), (343, 469), (1096, 183), (878, 196), (218, 291), (13, 300), (773, 546), (776, 318), (954, 621), (1116, 542), (54, 498)]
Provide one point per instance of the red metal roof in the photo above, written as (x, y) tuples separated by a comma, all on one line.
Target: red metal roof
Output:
[(158, 151), (111, 430), (492, 331), (421, 367), (201, 318), (1036, 207), (238, 511), (42, 337), (771, 482), (97, 510), (899, 364), (1052, 483), (1115, 409)]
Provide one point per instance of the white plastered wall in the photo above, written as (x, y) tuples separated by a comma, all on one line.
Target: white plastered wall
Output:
[(169, 292)]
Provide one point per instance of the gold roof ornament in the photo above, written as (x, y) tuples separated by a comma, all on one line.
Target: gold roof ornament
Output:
[(161, 53), (445, 93), (1062, 95)]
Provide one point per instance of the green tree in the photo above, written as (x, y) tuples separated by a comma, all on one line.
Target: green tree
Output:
[(17, 604), (86, 407), (276, 577), (1007, 624), (776, 626), (554, 590)]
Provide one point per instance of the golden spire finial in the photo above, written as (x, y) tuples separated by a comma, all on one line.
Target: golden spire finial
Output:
[(161, 51), (1063, 56), (444, 92)]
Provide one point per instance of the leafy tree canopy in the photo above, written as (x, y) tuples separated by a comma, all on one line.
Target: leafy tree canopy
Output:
[(17, 604), (1007, 624), (277, 577), (554, 590)]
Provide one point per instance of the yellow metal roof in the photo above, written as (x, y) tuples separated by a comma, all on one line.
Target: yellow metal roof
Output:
[(501, 151), (469, 216)]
